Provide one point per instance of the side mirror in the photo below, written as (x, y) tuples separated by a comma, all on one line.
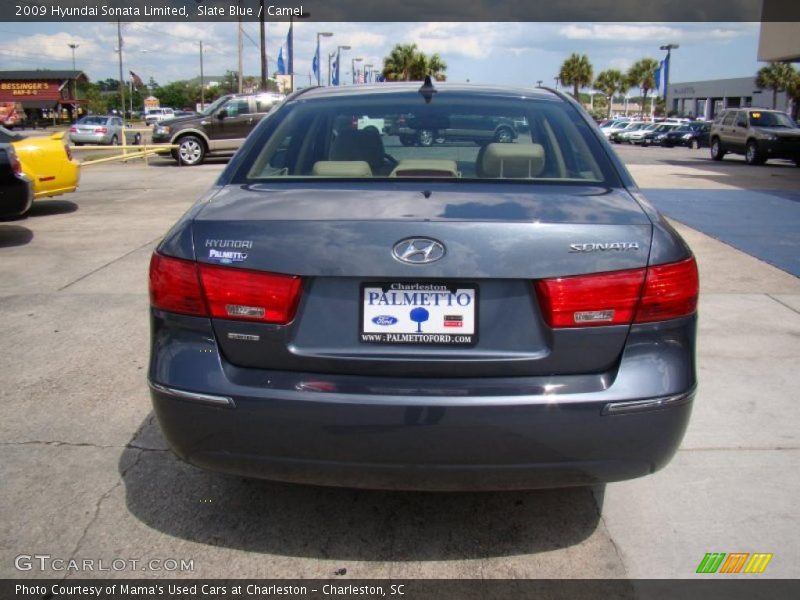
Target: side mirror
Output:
[(222, 114)]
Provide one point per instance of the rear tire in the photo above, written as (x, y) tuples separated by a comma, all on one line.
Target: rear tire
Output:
[(717, 151), (191, 151), (752, 155), (406, 140)]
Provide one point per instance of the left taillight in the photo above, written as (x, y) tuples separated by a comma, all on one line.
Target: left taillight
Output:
[(190, 288), (16, 166), (175, 286), (68, 151)]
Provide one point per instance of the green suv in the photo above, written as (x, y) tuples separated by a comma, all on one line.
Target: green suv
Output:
[(758, 133)]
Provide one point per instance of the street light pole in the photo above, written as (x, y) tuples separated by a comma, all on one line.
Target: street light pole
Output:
[(202, 79), (669, 48), (121, 80), (317, 56), (556, 79), (539, 83), (73, 46), (353, 67)]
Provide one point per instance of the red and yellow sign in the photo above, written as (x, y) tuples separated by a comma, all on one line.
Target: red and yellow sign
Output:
[(17, 91)]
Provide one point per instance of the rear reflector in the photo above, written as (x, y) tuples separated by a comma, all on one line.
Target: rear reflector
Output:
[(189, 288), (620, 297)]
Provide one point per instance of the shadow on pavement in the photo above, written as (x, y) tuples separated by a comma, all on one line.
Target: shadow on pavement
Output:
[(14, 235), (44, 208), (331, 523)]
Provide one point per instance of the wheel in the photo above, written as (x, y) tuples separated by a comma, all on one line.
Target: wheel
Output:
[(694, 143), (425, 137), (114, 140), (372, 128), (406, 140), (717, 151), (191, 150), (645, 143), (504, 135), (752, 154)]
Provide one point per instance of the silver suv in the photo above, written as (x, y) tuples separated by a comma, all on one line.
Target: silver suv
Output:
[(758, 133)]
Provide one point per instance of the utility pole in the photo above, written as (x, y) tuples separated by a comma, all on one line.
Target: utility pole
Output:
[(263, 29), (202, 79), (121, 80), (241, 67)]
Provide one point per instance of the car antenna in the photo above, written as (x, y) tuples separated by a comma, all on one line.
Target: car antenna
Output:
[(427, 90)]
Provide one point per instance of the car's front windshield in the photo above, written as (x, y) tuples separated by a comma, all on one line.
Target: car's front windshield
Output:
[(209, 110), (770, 119), (385, 136)]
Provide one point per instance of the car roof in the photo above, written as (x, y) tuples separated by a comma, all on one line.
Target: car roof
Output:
[(399, 87)]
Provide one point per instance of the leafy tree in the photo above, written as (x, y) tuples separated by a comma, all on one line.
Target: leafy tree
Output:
[(407, 63), (776, 77), (793, 90), (611, 82), (642, 74), (577, 72)]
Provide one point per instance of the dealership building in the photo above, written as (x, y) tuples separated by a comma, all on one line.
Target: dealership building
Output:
[(42, 94), (705, 99)]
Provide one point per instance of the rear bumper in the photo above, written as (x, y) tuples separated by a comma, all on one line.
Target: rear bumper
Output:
[(454, 434)]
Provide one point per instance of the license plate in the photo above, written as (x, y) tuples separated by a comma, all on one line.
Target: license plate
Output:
[(419, 313)]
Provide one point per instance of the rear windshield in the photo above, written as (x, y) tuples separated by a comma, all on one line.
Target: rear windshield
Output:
[(382, 135), (93, 120)]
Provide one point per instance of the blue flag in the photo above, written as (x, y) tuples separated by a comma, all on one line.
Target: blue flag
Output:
[(315, 65), (281, 63), (658, 76), (664, 76)]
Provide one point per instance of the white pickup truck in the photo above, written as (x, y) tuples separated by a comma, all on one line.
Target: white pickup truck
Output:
[(154, 115)]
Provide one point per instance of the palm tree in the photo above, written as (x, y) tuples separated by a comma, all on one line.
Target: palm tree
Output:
[(643, 75), (793, 90), (577, 72), (610, 82), (437, 67), (400, 62), (776, 77)]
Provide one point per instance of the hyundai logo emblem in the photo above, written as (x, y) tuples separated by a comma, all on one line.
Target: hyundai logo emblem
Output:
[(418, 251)]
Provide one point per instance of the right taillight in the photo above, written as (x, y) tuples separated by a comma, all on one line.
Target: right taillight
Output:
[(643, 295), (191, 288), (670, 291)]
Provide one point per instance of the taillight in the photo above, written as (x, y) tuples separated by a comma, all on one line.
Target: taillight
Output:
[(645, 295), (73, 129), (100, 130), (190, 288), (68, 151), (585, 300), (670, 291), (175, 286), (16, 166), (250, 295), (354, 123)]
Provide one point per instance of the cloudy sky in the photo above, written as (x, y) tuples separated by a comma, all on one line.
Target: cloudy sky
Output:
[(502, 53)]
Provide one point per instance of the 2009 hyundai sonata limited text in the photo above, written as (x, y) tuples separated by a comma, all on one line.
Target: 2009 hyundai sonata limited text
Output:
[(345, 309)]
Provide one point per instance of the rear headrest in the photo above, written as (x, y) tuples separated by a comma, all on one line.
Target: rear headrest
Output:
[(341, 168), (512, 160), (425, 168), (359, 144)]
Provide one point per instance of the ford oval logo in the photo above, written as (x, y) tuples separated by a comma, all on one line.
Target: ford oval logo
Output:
[(384, 320), (418, 251)]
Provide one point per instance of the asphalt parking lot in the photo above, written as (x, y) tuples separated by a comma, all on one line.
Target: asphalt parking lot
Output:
[(87, 475)]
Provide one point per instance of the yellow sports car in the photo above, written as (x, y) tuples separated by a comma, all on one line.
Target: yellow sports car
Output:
[(46, 161)]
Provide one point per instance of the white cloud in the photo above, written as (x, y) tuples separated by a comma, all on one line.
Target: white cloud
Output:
[(620, 32)]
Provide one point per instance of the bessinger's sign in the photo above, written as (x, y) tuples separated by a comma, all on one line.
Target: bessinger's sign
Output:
[(18, 91)]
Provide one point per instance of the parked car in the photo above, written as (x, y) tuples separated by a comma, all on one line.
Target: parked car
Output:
[(335, 311), (617, 125), (46, 161), (16, 190), (221, 127), (758, 133), (618, 136), (694, 135), (479, 129), (637, 136), (156, 115), (102, 130), (655, 135)]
